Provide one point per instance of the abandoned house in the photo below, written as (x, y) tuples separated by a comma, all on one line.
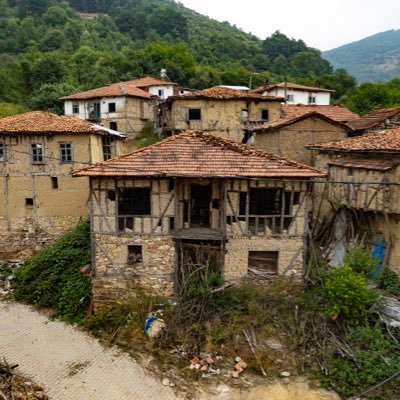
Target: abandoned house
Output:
[(124, 106), (288, 136), (376, 121), (361, 197), (297, 94), (218, 110), (191, 199), (39, 200)]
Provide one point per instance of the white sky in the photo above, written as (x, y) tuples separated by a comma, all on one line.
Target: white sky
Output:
[(323, 24)]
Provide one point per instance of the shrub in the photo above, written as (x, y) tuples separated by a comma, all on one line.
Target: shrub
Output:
[(52, 278), (360, 260), (390, 282), (375, 358), (347, 293)]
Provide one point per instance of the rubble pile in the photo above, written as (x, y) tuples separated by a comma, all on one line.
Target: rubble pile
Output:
[(16, 387), (7, 273)]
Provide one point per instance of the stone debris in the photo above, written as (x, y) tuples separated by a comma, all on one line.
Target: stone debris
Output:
[(205, 363), (166, 382), (7, 274), (16, 387), (239, 367), (285, 374)]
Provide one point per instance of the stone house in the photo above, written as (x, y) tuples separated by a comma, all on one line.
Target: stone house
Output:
[(297, 94), (360, 198), (218, 110), (193, 198), (39, 200), (124, 106), (376, 121), (288, 136)]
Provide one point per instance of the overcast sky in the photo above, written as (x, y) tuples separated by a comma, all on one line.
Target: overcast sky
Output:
[(324, 24)]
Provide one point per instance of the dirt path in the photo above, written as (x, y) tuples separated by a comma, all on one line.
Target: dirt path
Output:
[(69, 363)]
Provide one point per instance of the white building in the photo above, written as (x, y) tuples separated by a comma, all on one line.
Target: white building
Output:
[(297, 94)]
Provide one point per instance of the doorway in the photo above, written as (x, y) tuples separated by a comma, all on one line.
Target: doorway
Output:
[(200, 200)]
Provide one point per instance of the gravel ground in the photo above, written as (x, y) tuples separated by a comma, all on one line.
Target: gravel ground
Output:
[(69, 363)]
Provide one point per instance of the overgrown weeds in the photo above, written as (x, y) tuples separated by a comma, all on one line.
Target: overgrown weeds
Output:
[(52, 278)]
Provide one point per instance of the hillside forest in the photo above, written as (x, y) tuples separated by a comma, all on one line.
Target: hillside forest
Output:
[(52, 48)]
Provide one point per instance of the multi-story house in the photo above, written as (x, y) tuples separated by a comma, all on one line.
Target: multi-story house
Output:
[(195, 199), (218, 110), (39, 200)]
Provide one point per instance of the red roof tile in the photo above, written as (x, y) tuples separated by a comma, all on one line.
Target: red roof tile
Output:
[(223, 93), (199, 154), (114, 90), (337, 113), (389, 141), (289, 85), (41, 122), (148, 81), (286, 121), (378, 165), (373, 118)]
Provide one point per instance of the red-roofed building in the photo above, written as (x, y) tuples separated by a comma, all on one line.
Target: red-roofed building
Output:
[(221, 111), (360, 198), (39, 200), (123, 106), (195, 199), (297, 94)]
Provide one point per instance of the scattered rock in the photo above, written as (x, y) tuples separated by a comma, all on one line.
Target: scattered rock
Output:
[(285, 374), (166, 382), (235, 374), (274, 344), (286, 381)]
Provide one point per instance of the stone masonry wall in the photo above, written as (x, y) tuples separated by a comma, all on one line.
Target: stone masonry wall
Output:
[(116, 280)]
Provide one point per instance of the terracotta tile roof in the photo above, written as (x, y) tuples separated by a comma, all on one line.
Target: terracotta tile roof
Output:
[(41, 122), (286, 121), (389, 141), (337, 113), (223, 93), (148, 81), (373, 118), (364, 163), (114, 90), (289, 85), (199, 154)]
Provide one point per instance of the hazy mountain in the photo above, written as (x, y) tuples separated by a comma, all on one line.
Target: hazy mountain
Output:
[(375, 58)]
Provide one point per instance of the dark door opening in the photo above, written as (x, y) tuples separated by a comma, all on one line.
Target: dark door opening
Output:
[(200, 197)]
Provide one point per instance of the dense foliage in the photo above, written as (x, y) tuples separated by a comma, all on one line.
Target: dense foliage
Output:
[(48, 50), (372, 59), (52, 278)]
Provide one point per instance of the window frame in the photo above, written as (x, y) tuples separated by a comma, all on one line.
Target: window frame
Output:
[(195, 117), (112, 107), (290, 97), (139, 197), (62, 156), (75, 108), (108, 147), (264, 110), (3, 154), (113, 128), (33, 153)]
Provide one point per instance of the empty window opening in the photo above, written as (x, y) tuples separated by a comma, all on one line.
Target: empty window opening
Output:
[(65, 152), (161, 93), (37, 153), (200, 199), (171, 184), (264, 114), (111, 195), (244, 115), (113, 126), (194, 114), (112, 107), (108, 147), (134, 201), (261, 201), (29, 201), (2, 152), (54, 182), (75, 108), (263, 263), (134, 254)]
